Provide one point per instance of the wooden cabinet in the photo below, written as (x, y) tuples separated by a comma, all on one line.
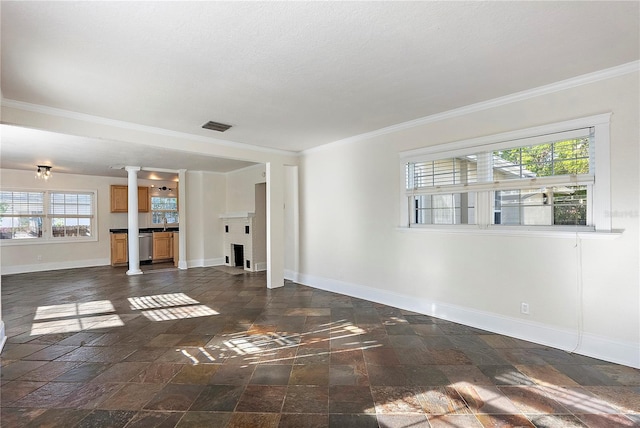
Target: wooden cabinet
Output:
[(162, 245), (143, 199), (120, 199), (119, 249), (176, 248)]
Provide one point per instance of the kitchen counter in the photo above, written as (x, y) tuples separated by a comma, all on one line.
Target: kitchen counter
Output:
[(147, 230)]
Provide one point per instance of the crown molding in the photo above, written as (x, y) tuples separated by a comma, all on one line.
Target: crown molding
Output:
[(37, 108), (562, 85)]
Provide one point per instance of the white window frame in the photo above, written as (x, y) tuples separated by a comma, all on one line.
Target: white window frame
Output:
[(47, 228), (600, 209)]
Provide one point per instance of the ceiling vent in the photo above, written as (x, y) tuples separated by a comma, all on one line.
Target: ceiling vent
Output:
[(215, 126)]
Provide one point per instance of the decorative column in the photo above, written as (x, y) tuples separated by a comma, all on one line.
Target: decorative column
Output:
[(132, 213), (275, 225), (182, 226)]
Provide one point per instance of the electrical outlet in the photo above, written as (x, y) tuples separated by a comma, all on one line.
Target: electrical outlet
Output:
[(39, 258), (524, 308)]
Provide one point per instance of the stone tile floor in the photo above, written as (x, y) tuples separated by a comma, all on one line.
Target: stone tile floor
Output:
[(203, 348)]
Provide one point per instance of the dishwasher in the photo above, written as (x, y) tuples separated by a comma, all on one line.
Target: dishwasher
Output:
[(145, 241)]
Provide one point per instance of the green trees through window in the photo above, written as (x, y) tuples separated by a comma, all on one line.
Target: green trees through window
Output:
[(164, 208)]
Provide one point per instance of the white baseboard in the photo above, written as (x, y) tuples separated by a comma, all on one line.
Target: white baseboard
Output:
[(3, 336), (219, 261), (291, 276), (40, 267), (604, 348), (261, 266)]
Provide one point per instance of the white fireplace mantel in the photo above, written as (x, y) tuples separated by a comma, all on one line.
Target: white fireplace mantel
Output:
[(238, 214)]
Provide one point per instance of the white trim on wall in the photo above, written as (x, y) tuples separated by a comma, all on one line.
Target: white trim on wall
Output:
[(615, 351), (292, 276), (219, 261)]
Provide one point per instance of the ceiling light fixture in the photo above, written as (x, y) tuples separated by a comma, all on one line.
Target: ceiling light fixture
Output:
[(162, 187), (43, 172)]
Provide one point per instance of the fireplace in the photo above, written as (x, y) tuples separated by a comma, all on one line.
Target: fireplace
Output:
[(238, 255), (244, 240)]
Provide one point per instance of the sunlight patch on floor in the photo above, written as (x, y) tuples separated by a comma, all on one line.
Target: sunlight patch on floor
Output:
[(166, 307), (75, 317)]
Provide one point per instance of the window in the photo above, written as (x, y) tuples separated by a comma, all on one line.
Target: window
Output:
[(71, 214), (46, 215), (544, 176), (21, 215), (164, 208)]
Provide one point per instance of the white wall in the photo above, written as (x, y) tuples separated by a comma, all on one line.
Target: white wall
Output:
[(241, 188), (260, 227), (206, 196), (24, 258), (350, 243), (291, 221)]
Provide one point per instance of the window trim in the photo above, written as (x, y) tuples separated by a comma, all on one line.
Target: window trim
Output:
[(601, 205), (47, 228)]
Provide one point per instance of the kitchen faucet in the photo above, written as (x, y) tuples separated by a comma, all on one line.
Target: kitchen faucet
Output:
[(164, 222)]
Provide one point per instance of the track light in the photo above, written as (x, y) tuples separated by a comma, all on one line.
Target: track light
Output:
[(43, 172)]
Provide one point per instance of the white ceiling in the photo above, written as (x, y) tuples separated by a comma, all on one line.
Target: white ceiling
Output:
[(295, 75), (23, 148)]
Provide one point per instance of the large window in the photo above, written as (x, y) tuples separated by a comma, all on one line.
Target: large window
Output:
[(47, 215), (164, 209), (71, 214), (543, 176), (21, 215)]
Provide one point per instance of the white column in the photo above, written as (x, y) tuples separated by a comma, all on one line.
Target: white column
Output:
[(182, 212), (132, 213), (275, 225), (292, 224)]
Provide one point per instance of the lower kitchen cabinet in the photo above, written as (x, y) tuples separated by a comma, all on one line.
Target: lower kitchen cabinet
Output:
[(119, 248), (162, 246)]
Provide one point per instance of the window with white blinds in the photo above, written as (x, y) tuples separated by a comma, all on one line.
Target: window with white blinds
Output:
[(546, 179), (21, 215), (71, 214), (46, 215)]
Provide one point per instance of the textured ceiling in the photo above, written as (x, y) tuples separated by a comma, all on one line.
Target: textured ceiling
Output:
[(295, 75), (23, 148)]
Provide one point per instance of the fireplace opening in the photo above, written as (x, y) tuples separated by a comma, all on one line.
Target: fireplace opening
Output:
[(238, 255)]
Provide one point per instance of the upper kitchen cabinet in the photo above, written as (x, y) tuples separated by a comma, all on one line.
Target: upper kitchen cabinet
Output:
[(120, 199)]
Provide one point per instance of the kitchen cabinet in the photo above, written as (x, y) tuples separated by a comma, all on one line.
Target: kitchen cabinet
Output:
[(176, 247), (120, 199), (119, 248), (162, 245)]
